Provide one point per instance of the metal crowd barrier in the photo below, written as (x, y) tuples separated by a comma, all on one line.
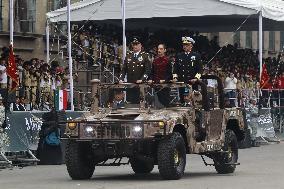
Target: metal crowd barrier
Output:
[(271, 99)]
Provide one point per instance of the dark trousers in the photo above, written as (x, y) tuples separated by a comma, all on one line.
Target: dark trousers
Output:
[(164, 96), (133, 95), (232, 96)]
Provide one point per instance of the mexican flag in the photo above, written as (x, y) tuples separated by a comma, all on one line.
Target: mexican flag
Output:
[(60, 99)]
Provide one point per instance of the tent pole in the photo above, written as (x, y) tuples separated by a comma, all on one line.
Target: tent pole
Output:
[(11, 21), (123, 29), (69, 55), (260, 31), (47, 41)]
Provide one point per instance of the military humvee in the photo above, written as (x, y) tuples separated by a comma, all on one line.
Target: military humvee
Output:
[(147, 136)]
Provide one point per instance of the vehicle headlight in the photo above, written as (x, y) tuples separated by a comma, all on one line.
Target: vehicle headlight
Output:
[(137, 131), (161, 124), (89, 131), (72, 125)]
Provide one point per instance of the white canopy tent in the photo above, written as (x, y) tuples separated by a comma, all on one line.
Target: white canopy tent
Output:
[(203, 15), (111, 9)]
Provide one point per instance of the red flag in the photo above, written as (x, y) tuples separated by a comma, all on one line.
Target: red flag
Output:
[(264, 80), (12, 69)]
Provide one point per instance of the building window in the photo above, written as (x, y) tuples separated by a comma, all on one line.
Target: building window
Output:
[(282, 40), (1, 7), (25, 15), (249, 39), (56, 4), (237, 38), (271, 41)]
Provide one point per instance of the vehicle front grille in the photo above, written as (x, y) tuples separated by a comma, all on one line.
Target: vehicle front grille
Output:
[(106, 130)]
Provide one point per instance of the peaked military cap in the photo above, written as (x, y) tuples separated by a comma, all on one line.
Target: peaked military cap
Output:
[(187, 40), (135, 40)]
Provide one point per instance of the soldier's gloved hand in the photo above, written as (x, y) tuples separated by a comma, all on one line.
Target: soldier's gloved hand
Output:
[(193, 80), (139, 81), (120, 81), (174, 80)]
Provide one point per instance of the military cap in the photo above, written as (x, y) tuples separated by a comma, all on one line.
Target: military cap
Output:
[(187, 40), (135, 40)]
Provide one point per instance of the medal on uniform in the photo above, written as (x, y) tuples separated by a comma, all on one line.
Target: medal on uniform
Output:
[(140, 59), (192, 59)]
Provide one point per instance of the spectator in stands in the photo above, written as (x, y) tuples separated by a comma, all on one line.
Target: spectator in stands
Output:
[(3, 74), (231, 88)]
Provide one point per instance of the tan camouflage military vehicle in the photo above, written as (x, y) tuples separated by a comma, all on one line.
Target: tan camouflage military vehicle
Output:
[(148, 136)]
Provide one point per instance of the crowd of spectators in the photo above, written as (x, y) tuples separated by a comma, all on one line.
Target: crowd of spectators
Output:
[(238, 68), (37, 80)]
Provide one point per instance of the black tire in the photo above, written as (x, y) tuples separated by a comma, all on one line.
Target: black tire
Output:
[(172, 157), (79, 160), (140, 166), (246, 142), (225, 162)]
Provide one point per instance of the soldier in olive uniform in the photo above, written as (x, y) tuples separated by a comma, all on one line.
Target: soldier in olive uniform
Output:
[(27, 80), (253, 111), (188, 66), (34, 76), (137, 68)]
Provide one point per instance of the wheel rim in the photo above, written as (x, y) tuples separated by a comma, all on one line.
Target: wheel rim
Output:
[(230, 153), (176, 157)]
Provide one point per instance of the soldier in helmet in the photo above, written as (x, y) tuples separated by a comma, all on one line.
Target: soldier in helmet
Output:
[(137, 68), (188, 65), (253, 111)]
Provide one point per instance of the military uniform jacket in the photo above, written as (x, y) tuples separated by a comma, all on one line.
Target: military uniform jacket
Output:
[(187, 66), (138, 68), (26, 78)]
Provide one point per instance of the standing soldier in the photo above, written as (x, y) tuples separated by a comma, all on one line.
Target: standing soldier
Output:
[(253, 111), (137, 68), (162, 72), (27, 80), (45, 84), (188, 65), (34, 76)]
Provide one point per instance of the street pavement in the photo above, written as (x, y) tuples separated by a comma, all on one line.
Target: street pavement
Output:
[(261, 168)]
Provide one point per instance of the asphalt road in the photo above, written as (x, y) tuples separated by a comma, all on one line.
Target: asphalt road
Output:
[(261, 168)]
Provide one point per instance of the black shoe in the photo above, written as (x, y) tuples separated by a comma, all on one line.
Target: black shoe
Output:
[(254, 144)]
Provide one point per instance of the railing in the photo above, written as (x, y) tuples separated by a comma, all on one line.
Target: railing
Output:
[(272, 99)]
